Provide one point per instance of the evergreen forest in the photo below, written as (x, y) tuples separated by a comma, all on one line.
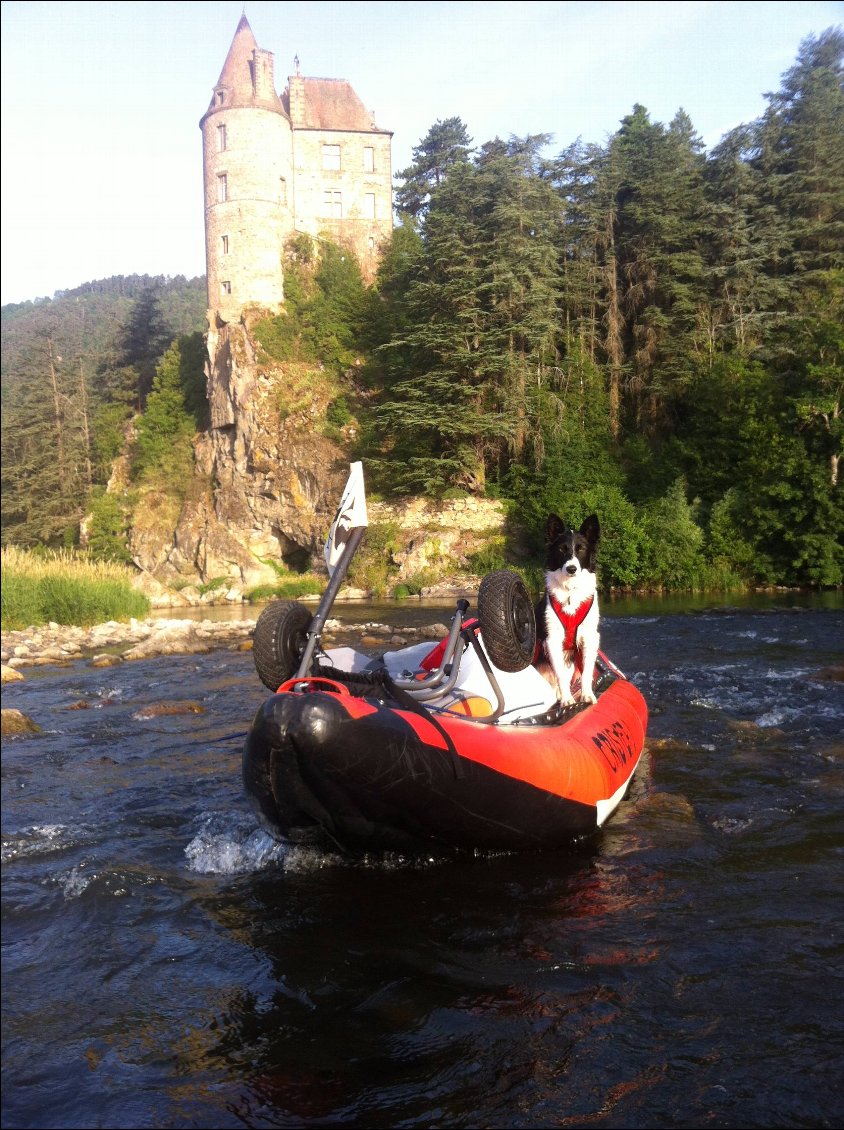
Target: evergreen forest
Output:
[(640, 328)]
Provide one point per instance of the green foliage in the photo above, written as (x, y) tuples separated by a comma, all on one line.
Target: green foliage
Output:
[(108, 530), (728, 547), (109, 436), (174, 413), (475, 334), (74, 368), (278, 336), (371, 567), (291, 588), (325, 305), (674, 541), (22, 602), (338, 415), (214, 585), (489, 558), (446, 145), (625, 543), (65, 589)]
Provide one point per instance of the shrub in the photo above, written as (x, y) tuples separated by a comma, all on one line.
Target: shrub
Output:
[(487, 559), (371, 566), (624, 541), (214, 584), (728, 546), (673, 556), (107, 536)]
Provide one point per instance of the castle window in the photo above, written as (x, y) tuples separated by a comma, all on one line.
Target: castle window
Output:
[(368, 159), (226, 287), (331, 157), (221, 139), (369, 206), (333, 204), (221, 96), (222, 188), (282, 191), (225, 244)]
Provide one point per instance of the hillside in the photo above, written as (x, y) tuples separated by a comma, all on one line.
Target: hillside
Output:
[(75, 368)]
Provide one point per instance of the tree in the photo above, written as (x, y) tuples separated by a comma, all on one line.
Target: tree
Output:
[(652, 185), (174, 413), (744, 234), (480, 320), (143, 339), (801, 153), (446, 145)]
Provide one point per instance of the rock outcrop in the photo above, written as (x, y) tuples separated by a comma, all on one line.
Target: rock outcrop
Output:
[(265, 487)]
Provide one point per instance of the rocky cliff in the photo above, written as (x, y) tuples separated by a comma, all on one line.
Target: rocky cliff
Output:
[(267, 482)]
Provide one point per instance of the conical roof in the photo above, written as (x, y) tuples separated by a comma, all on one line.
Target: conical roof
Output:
[(237, 78)]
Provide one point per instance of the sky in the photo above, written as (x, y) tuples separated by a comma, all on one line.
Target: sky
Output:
[(101, 157)]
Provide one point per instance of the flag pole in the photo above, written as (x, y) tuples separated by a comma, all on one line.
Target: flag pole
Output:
[(321, 614)]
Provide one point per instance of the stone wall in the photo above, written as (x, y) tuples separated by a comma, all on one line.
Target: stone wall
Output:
[(475, 515), (351, 221)]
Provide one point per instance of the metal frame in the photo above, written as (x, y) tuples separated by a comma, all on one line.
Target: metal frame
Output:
[(436, 683)]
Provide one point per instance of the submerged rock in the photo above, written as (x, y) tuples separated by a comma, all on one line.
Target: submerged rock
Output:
[(161, 709), (834, 674)]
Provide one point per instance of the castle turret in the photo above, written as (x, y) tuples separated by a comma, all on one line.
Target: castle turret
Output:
[(248, 176)]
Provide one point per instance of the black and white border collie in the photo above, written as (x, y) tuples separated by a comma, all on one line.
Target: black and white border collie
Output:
[(567, 615)]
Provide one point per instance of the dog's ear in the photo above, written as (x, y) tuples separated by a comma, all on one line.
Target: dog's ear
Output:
[(554, 526), (591, 530)]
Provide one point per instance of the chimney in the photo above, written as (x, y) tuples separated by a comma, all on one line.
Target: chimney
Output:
[(262, 75), (297, 99)]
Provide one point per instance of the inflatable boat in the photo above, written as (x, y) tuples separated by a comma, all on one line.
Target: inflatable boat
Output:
[(443, 747)]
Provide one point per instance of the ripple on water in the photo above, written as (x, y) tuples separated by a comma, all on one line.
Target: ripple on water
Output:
[(41, 840)]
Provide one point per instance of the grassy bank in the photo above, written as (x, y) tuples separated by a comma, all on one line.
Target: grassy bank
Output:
[(66, 589)]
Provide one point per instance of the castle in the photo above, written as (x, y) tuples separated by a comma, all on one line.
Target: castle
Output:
[(312, 161)]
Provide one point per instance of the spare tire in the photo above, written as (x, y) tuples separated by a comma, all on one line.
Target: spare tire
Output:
[(281, 634), (507, 620)]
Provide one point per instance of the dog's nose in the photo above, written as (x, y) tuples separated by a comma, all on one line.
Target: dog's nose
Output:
[(571, 570)]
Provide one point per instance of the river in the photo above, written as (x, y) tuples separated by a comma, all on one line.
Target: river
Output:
[(166, 964)]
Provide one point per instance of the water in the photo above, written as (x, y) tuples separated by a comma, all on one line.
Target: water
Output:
[(166, 964)]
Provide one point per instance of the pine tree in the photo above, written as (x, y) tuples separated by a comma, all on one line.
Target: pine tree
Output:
[(651, 181), (445, 146), (801, 143), (481, 319)]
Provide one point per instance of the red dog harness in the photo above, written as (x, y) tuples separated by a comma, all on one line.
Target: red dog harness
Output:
[(571, 621)]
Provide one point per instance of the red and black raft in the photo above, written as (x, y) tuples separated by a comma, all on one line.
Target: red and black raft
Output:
[(390, 755)]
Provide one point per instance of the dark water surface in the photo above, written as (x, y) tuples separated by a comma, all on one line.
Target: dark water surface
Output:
[(166, 964)]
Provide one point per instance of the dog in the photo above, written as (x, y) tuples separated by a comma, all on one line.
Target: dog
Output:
[(567, 614)]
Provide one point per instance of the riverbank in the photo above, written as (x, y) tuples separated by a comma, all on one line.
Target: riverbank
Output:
[(387, 623), (107, 644)]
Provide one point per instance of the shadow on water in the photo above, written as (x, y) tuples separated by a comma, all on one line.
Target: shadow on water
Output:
[(453, 994)]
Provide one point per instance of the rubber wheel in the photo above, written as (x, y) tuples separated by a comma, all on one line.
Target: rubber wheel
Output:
[(507, 620), (279, 640)]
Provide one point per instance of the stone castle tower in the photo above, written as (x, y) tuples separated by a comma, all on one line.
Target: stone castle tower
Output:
[(310, 161)]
